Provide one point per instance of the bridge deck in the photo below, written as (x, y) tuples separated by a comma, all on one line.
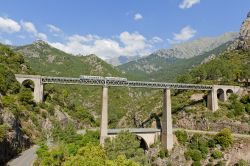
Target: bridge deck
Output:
[(134, 130), (136, 84)]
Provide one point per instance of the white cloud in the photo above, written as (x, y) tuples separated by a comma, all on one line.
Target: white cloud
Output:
[(185, 34), (53, 28), (8, 25), (156, 39), (188, 3), (30, 27), (138, 16), (5, 41), (127, 44)]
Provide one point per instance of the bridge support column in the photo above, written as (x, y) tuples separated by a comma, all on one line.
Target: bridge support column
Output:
[(167, 130), (212, 101), (38, 91), (104, 118)]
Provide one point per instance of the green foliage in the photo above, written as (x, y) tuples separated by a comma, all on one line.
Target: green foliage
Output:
[(8, 83), (3, 132), (194, 154), (163, 153), (125, 144), (220, 163), (95, 155), (26, 97), (224, 138), (217, 154), (65, 133), (196, 163), (181, 136), (241, 163), (197, 142)]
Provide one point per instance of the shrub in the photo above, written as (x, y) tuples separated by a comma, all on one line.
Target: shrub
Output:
[(211, 143), (194, 154), (241, 163), (163, 153), (181, 136), (196, 163), (217, 154), (224, 138), (220, 163)]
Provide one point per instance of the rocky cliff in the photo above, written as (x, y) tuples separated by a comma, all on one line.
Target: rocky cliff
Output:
[(243, 41), (14, 140)]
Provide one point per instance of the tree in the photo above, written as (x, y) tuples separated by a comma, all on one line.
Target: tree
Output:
[(125, 144), (224, 138)]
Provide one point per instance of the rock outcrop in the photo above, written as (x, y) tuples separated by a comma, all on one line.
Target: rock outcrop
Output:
[(15, 140), (243, 41)]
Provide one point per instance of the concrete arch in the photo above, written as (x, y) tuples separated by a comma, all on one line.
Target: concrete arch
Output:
[(38, 86), (143, 142), (29, 84), (221, 94)]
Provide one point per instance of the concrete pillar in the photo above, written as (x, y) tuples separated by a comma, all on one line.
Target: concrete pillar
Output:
[(38, 91), (104, 118), (212, 101), (167, 130)]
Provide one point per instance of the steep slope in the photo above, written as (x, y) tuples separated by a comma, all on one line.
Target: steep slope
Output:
[(156, 67), (48, 60)]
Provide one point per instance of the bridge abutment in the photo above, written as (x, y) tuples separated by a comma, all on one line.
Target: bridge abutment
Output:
[(38, 85), (104, 117), (167, 129)]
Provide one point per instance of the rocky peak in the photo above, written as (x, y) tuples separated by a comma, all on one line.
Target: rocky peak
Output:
[(245, 28), (243, 41)]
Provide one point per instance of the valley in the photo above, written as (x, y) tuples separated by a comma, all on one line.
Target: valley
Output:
[(211, 125)]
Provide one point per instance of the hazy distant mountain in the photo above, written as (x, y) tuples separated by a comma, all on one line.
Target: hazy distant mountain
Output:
[(121, 60), (196, 47), (166, 64)]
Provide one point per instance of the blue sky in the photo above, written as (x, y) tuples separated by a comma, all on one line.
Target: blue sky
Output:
[(111, 28)]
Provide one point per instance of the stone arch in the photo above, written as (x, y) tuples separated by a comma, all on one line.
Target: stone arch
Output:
[(143, 143), (28, 83), (229, 91), (220, 94), (37, 85)]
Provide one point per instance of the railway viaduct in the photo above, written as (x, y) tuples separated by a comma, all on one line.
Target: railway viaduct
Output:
[(215, 92)]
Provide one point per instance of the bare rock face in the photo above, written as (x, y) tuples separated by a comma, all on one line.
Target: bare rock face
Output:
[(243, 41), (15, 139)]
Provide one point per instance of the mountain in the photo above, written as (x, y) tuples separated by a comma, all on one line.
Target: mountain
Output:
[(45, 59), (196, 47), (121, 60), (166, 64), (243, 41)]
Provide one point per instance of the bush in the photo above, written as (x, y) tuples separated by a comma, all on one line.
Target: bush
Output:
[(211, 143), (163, 153), (241, 163), (181, 136), (224, 138), (217, 154), (196, 163), (220, 163), (194, 154)]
